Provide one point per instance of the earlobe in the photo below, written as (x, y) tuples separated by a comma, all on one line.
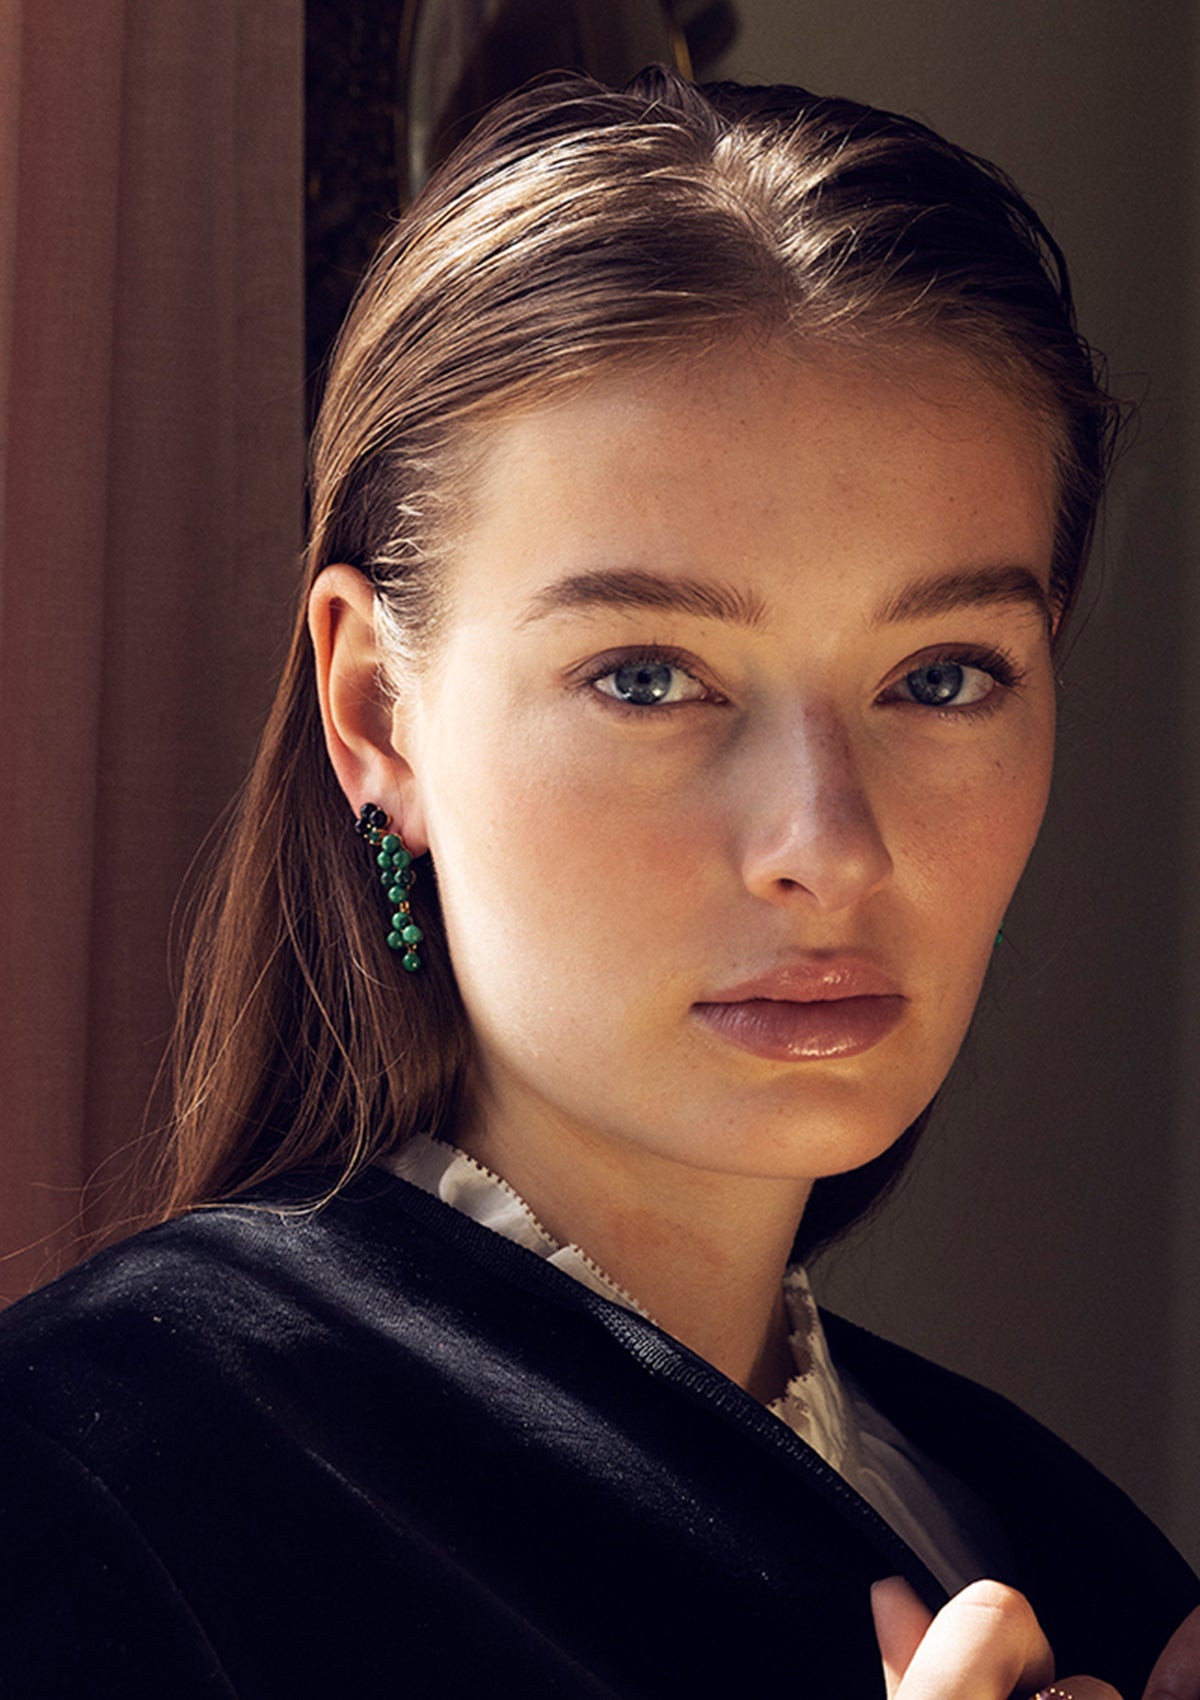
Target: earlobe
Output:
[(356, 710)]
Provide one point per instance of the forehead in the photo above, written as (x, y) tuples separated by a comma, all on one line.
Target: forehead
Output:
[(760, 462)]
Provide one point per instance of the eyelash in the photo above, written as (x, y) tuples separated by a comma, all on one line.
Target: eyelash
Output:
[(653, 656), (997, 662)]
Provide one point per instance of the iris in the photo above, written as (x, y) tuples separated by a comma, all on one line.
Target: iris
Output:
[(644, 682), (939, 683)]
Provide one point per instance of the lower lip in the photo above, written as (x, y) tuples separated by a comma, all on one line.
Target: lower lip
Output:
[(785, 1031)]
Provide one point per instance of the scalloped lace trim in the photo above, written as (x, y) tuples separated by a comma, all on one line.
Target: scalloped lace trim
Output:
[(458, 1180)]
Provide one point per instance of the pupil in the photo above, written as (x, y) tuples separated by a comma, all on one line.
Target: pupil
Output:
[(649, 682), (937, 684)]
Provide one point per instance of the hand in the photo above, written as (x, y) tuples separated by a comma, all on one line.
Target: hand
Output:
[(1176, 1676), (986, 1644)]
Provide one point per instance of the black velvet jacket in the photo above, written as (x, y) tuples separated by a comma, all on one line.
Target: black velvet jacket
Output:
[(379, 1450)]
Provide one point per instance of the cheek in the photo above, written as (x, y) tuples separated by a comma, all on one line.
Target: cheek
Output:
[(971, 821), (979, 846), (546, 854), (964, 847)]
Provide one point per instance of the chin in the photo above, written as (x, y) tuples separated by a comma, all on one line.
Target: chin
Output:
[(838, 1124), (794, 1147)]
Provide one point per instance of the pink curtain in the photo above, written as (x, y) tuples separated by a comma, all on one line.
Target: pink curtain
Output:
[(151, 467)]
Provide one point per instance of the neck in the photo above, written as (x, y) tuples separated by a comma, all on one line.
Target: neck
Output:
[(703, 1253)]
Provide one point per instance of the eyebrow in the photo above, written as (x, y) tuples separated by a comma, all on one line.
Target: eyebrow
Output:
[(942, 593), (633, 587)]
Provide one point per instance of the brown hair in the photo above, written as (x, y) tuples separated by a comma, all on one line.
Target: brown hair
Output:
[(576, 226)]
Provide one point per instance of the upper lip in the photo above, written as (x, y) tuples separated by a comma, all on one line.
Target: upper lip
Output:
[(812, 980)]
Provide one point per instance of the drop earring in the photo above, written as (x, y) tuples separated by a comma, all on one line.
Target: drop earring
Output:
[(398, 877)]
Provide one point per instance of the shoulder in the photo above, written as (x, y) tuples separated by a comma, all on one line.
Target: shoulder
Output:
[(263, 1303), (976, 1432), (1095, 1567), (960, 1420), (304, 1237), (187, 1267), (193, 1304)]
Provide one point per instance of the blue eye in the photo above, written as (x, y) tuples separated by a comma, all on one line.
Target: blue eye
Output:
[(947, 684), (647, 683)]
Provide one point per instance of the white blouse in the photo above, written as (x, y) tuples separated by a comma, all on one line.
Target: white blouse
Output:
[(945, 1524)]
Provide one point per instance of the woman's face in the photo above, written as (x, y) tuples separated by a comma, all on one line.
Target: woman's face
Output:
[(737, 743)]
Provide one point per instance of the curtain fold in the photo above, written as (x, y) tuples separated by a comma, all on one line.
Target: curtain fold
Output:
[(151, 472)]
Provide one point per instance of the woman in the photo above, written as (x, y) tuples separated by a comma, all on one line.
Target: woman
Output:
[(701, 489)]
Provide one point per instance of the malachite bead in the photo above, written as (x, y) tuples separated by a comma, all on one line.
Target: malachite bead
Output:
[(384, 859), (407, 877), (411, 935), (389, 842), (400, 858), (395, 941), (396, 894), (411, 961), (400, 920)]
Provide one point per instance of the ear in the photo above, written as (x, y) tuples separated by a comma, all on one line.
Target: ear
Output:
[(356, 710)]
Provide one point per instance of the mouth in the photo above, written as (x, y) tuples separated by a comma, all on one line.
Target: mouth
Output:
[(807, 1011)]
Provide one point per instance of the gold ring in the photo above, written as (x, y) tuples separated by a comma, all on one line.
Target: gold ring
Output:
[(1052, 1694)]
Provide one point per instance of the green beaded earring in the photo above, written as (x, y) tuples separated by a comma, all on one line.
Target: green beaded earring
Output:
[(398, 876)]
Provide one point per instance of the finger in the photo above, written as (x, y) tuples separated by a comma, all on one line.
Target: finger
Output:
[(981, 1646), (900, 1624), (1176, 1676)]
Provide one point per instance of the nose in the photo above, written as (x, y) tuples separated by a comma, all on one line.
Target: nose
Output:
[(812, 832)]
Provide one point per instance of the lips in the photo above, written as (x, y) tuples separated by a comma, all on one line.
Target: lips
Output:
[(807, 1011)]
